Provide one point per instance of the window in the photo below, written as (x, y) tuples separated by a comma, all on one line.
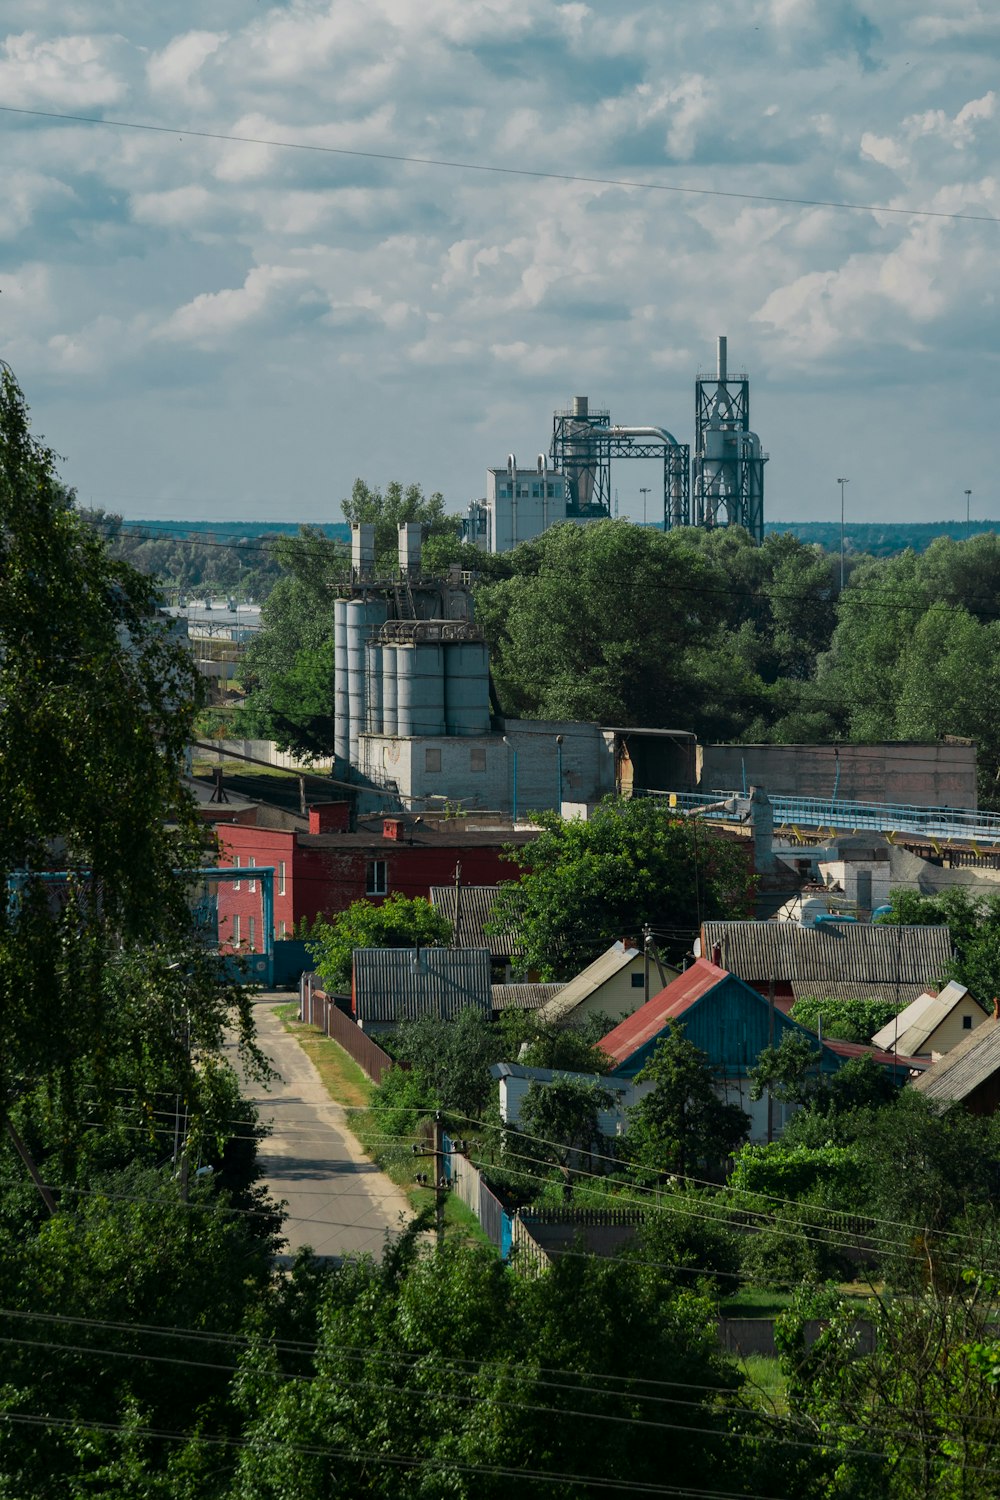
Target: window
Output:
[(250, 932), (477, 758), (251, 885), (281, 877), (966, 1023), (377, 882), (522, 492), (638, 980), (236, 930), (237, 884), (536, 491), (432, 759)]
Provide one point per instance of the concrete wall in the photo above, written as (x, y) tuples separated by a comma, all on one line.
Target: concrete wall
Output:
[(268, 751), (478, 770), (934, 775)]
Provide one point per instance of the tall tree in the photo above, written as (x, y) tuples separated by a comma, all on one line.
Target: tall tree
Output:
[(682, 1125), (632, 863), (288, 671), (100, 971), (387, 511)]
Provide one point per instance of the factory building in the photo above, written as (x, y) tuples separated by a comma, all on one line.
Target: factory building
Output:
[(417, 724), (720, 484)]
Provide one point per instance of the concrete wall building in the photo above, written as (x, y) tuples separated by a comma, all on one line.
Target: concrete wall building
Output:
[(925, 775), (526, 765)]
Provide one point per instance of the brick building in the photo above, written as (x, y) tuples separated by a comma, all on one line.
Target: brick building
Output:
[(323, 870)]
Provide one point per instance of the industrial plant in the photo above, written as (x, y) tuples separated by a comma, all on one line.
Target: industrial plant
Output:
[(417, 722), (718, 483)]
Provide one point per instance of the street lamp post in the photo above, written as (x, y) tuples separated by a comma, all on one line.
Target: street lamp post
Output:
[(842, 482), (968, 514), (644, 491)]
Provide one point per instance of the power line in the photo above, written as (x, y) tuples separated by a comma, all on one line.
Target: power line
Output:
[(470, 166)]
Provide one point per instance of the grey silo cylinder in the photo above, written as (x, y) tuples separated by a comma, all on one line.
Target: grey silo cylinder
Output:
[(390, 722), (420, 689), (363, 615), (341, 698), (373, 669), (466, 688)]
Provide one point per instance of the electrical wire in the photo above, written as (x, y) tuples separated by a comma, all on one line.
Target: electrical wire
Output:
[(182, 132)]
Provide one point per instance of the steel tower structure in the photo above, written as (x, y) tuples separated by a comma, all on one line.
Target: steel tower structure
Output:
[(728, 465), (583, 444)]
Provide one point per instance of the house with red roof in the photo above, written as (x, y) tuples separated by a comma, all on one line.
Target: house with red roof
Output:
[(732, 1023)]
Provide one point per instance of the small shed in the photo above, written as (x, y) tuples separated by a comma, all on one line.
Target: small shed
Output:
[(390, 985)]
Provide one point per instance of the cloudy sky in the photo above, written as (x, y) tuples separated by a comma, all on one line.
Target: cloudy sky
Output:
[(212, 329)]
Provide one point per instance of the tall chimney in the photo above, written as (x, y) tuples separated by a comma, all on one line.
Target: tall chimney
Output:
[(362, 549), (722, 356), (410, 536)]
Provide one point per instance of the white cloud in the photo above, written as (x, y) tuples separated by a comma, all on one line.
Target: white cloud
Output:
[(175, 70), (64, 72), (212, 318)]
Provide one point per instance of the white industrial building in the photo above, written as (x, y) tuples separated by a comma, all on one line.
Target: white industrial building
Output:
[(520, 504)]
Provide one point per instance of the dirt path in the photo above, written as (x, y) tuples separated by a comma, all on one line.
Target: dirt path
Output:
[(338, 1202)]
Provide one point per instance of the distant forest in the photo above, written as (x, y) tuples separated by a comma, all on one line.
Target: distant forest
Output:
[(235, 558), (880, 538)]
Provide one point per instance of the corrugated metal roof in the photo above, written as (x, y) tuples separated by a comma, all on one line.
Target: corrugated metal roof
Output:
[(407, 984), (610, 963), (843, 952), (974, 1061), (910, 1030), (477, 908), (523, 996), (649, 1020)]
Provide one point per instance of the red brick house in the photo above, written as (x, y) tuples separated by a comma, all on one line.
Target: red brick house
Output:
[(323, 870)]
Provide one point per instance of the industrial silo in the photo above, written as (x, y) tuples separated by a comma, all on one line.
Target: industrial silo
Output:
[(362, 617), (373, 686), (420, 689), (390, 721), (466, 688), (341, 699)]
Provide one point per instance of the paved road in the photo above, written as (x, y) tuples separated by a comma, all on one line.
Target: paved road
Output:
[(338, 1202)]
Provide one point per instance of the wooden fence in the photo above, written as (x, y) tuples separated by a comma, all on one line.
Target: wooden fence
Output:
[(318, 1009), (468, 1185)]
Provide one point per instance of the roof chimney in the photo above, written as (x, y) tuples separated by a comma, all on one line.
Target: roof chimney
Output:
[(330, 817)]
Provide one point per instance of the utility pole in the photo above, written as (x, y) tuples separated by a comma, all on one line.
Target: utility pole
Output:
[(770, 1043), (436, 1151), (455, 941), (842, 482)]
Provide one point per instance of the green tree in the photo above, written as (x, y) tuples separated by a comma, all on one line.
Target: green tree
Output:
[(843, 1020), (900, 1403), (631, 863), (455, 1056), (789, 1072), (397, 922), (100, 971), (974, 925), (288, 670), (387, 512), (584, 626), (562, 1118), (682, 1125)]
